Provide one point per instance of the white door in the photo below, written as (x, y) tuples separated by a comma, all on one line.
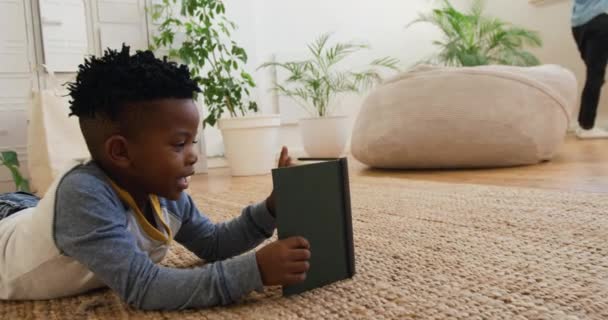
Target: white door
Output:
[(64, 34), (16, 81), (122, 21)]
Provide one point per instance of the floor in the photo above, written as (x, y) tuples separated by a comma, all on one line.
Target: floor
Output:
[(580, 165)]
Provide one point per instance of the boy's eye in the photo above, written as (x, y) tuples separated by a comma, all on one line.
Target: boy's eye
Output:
[(181, 145)]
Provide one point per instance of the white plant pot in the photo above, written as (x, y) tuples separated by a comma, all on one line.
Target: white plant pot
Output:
[(324, 137), (250, 143)]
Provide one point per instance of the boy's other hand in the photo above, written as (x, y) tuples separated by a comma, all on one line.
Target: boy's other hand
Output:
[(284, 161), (284, 262), (284, 158)]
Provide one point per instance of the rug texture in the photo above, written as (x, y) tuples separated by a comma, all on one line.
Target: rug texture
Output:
[(423, 251)]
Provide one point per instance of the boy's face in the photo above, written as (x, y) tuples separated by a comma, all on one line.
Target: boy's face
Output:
[(163, 153)]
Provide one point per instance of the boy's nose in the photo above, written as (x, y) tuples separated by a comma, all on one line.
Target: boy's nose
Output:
[(192, 157)]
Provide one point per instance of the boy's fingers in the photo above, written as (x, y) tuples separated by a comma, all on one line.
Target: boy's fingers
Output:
[(299, 255), (295, 278), (298, 267), (283, 154), (284, 158), (297, 242)]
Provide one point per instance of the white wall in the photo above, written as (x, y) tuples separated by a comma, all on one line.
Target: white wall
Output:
[(551, 19)]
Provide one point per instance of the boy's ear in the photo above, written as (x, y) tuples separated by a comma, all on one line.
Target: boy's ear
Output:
[(118, 152)]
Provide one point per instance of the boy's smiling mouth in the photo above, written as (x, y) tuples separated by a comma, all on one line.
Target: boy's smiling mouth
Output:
[(184, 181)]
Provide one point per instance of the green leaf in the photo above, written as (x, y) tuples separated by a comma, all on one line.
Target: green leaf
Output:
[(248, 78), (9, 158), (386, 62), (11, 161)]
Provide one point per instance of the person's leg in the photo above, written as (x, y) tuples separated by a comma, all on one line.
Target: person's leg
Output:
[(595, 53), (14, 202)]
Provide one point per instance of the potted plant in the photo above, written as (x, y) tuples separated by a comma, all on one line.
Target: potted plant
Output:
[(9, 160), (472, 39), (316, 82), (217, 63)]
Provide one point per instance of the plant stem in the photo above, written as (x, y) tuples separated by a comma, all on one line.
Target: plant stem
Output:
[(230, 106)]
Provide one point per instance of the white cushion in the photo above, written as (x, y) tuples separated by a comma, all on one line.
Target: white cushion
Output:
[(489, 116), (54, 139)]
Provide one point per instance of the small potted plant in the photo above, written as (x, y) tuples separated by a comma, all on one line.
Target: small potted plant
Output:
[(216, 61), (316, 82)]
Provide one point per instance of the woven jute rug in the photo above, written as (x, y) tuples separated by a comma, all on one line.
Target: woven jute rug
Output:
[(423, 251)]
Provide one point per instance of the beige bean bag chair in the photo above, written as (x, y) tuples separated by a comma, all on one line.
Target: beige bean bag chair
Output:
[(490, 116)]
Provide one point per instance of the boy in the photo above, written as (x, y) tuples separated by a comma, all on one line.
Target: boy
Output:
[(590, 30), (108, 222)]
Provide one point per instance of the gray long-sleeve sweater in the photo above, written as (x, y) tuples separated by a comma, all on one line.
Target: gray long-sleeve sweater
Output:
[(99, 240)]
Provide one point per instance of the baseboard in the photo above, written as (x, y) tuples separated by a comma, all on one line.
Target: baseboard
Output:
[(571, 129), (601, 122), (217, 162)]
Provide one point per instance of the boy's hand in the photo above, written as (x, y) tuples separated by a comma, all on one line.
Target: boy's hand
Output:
[(284, 262), (284, 161), (284, 158)]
